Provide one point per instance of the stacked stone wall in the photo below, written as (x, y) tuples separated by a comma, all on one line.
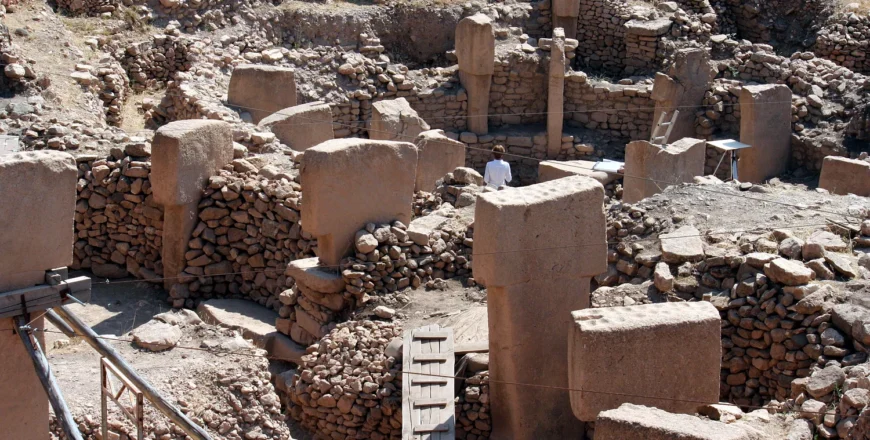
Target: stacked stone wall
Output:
[(519, 89), (119, 227), (621, 111), (845, 40), (601, 33)]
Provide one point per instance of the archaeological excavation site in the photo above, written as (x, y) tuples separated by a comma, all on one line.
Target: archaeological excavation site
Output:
[(434, 219)]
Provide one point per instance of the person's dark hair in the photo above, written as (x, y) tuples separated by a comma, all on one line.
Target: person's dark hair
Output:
[(497, 151)]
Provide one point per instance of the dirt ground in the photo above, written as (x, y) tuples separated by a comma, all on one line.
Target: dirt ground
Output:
[(186, 377)]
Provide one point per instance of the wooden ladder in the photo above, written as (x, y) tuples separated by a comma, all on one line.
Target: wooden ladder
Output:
[(662, 139), (427, 397)]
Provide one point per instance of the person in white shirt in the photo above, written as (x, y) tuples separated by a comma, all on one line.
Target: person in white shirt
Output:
[(498, 172)]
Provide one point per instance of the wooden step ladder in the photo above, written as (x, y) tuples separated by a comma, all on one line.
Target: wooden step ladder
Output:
[(427, 397), (659, 138)]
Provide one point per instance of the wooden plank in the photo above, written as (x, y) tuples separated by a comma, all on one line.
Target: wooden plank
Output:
[(431, 357), (428, 414), (431, 427), (447, 369), (431, 335), (433, 401), (472, 347), (423, 380), (42, 297)]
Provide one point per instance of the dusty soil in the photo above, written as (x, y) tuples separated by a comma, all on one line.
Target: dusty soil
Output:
[(726, 209), (186, 377)]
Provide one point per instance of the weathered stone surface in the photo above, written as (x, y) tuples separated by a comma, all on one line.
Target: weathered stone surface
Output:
[(826, 381), (669, 353), (301, 127), (683, 88), (184, 155), (551, 170), (395, 120), (843, 176), (526, 289), (789, 272), (254, 322), (37, 208), (682, 245), (475, 50), (156, 336), (437, 155), (649, 169), (648, 28), (765, 124), (421, 228), (262, 89), (309, 272), (340, 198), (635, 422)]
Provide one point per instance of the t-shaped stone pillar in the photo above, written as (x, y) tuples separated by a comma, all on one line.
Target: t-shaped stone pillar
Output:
[(683, 89), (535, 249), (351, 182), (556, 94), (565, 15), (765, 123), (37, 210), (475, 49), (184, 155)]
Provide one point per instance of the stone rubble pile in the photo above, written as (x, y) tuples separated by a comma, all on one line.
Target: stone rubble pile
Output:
[(232, 399), (249, 227), (118, 225), (768, 287), (845, 40), (472, 408), (390, 258), (832, 400), (109, 82), (348, 386), (152, 63)]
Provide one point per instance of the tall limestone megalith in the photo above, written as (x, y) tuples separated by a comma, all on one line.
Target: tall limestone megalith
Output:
[(535, 249)]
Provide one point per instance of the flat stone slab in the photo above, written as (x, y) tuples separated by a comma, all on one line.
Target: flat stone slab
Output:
[(682, 245), (308, 272), (255, 322), (422, 227), (635, 422), (649, 28), (552, 170)]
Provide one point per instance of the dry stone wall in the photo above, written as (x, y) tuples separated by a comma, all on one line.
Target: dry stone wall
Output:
[(519, 90), (350, 386), (117, 223), (152, 63), (248, 232), (845, 40), (601, 33), (621, 111), (777, 324)]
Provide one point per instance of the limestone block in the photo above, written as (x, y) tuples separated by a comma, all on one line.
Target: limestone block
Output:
[(422, 228), (535, 249), (551, 170), (37, 209), (682, 245), (635, 422), (509, 225), (307, 271), (395, 120), (566, 8), (649, 169), (262, 90), (556, 93), (765, 123), (303, 126), (475, 45), (845, 176), (478, 88), (24, 413), (683, 88), (648, 28), (351, 182), (668, 353), (437, 155), (184, 154)]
